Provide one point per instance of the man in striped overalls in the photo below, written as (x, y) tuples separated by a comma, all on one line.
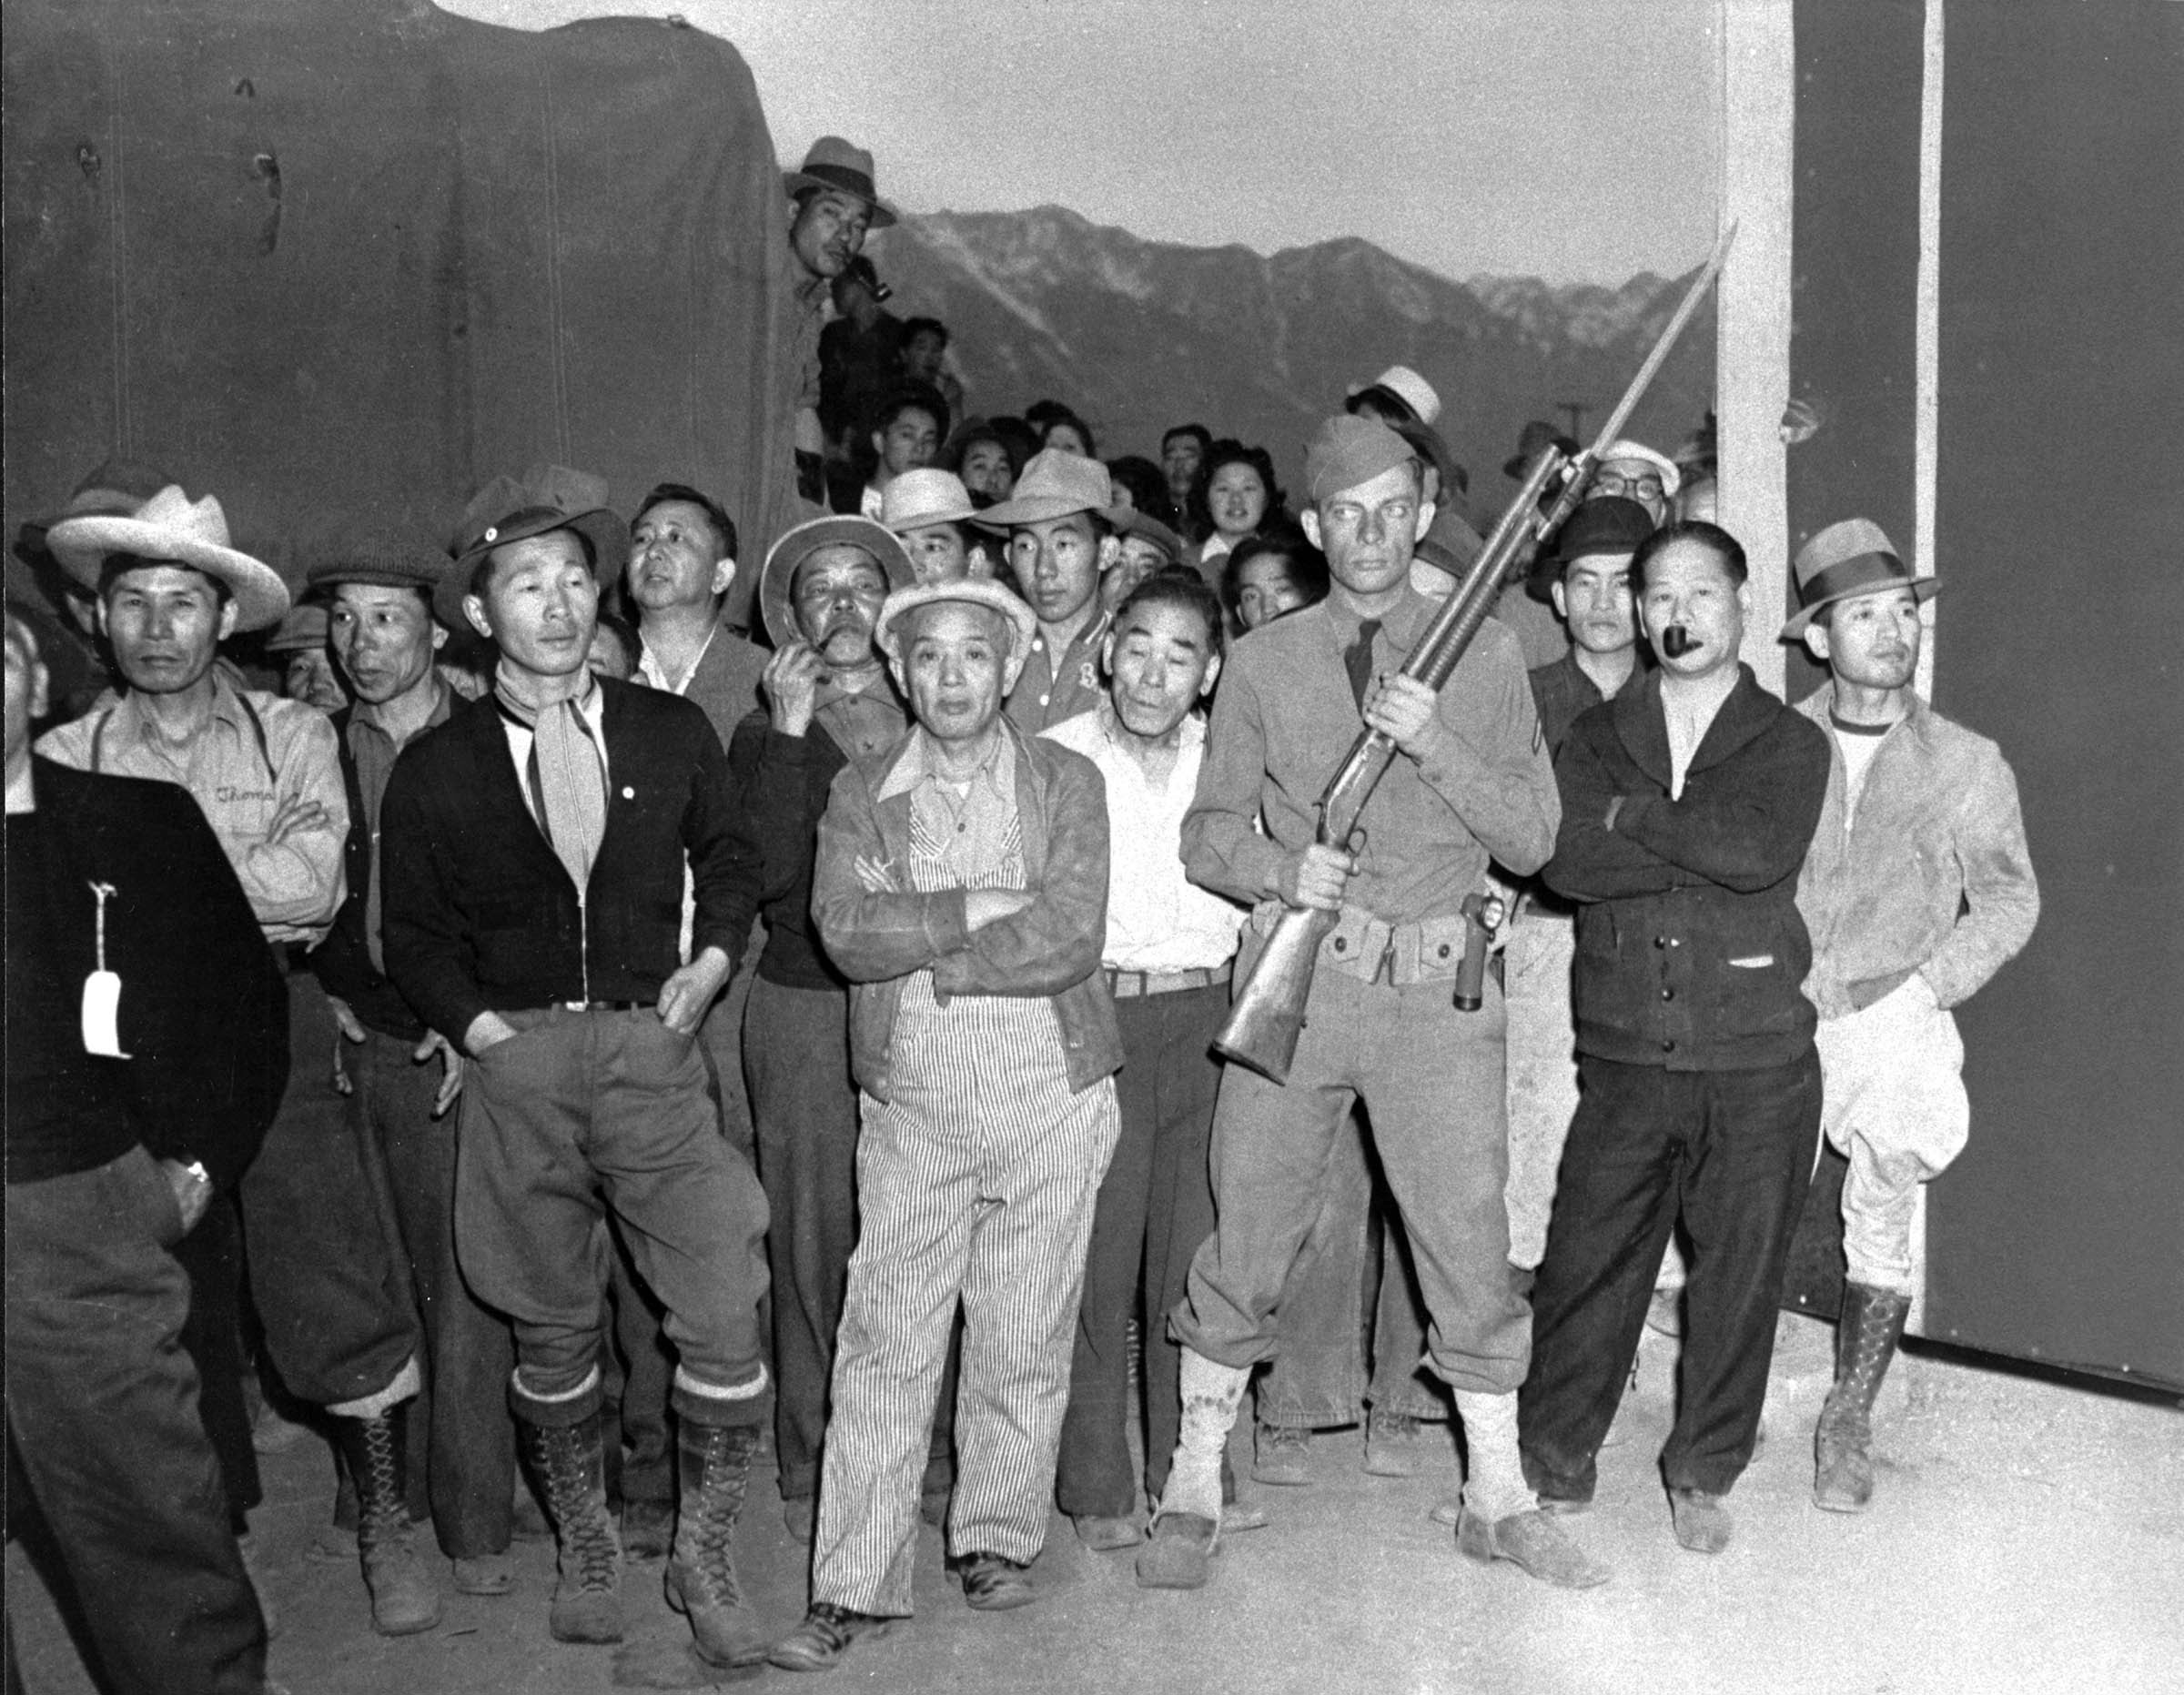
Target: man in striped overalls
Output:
[(962, 887)]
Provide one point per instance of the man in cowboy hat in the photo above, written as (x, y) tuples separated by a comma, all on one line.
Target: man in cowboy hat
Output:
[(830, 702), (267, 774), (1688, 801), (375, 592), (1471, 782), (833, 202), (1398, 395), (141, 1003), (1060, 520), (1917, 888), (535, 849), (962, 887), (931, 512)]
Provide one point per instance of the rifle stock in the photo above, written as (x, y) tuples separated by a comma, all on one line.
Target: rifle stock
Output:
[(1268, 1015)]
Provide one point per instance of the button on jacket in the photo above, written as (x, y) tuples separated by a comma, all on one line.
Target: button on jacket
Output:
[(481, 916), (1690, 951), (1051, 949)]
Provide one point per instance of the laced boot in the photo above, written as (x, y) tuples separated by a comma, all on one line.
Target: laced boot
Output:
[(1865, 1338), (404, 1598), (571, 1465), (714, 1469)]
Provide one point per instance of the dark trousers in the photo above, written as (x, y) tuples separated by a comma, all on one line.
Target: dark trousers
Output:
[(580, 1114), (470, 1452), (639, 1375), (102, 1403), (211, 1256), (796, 1061), (1728, 1152), (1155, 1207), (322, 1262)]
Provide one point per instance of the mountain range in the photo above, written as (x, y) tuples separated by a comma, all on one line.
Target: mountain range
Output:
[(1139, 335)]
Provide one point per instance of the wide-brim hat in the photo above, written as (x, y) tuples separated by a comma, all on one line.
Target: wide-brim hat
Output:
[(777, 577), (1845, 560), (976, 591), (1136, 521), (546, 498), (1607, 523), (918, 498), (1054, 484), (842, 167), (1416, 394), (1534, 436), (171, 527)]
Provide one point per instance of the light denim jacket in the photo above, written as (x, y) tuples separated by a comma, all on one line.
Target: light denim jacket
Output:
[(1932, 876)]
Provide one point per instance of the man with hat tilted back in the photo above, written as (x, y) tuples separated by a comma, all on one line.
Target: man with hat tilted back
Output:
[(1398, 395), (962, 887), (1060, 520), (267, 775), (829, 702), (1470, 783), (930, 511), (1917, 889), (833, 202), (1688, 801), (535, 847), (375, 593)]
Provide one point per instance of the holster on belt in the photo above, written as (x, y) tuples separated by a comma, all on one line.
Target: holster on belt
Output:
[(1361, 945)]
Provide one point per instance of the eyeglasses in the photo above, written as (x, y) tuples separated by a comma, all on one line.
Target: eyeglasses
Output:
[(1616, 482)]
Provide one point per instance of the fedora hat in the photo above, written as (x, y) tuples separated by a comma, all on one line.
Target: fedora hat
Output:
[(1054, 484), (1607, 523), (171, 527), (1848, 559), (1023, 623), (1404, 385), (1534, 436), (918, 498), (1136, 521), (546, 498), (841, 168), (777, 577), (115, 489)]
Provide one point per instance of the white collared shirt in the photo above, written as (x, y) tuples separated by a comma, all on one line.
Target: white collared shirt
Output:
[(649, 671), (1158, 919)]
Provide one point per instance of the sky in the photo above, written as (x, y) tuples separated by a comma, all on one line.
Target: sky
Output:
[(1569, 139)]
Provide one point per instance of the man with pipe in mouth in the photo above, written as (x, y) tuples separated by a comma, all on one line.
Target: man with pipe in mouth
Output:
[(1471, 781), (1688, 801)]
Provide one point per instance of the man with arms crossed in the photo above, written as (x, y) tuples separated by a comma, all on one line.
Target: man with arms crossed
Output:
[(1918, 887), (1470, 783)]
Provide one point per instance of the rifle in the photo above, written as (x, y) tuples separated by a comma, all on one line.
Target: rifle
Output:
[(1263, 1025)]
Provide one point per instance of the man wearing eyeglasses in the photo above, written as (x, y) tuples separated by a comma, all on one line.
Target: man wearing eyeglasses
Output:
[(1634, 471)]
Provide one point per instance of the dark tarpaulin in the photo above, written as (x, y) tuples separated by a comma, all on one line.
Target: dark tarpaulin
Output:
[(336, 260)]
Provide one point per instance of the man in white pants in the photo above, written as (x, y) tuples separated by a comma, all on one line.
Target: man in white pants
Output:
[(1918, 886)]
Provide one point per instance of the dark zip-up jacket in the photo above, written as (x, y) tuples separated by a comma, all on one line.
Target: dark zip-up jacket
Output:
[(1690, 951), (479, 914)]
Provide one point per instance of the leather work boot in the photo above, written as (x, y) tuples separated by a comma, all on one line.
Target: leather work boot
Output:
[(1281, 1455), (1533, 1543), (1865, 1338), (587, 1603), (1395, 1443), (714, 1469), (404, 1598)]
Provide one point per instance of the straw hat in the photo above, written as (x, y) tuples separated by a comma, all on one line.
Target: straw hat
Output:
[(777, 577), (976, 592)]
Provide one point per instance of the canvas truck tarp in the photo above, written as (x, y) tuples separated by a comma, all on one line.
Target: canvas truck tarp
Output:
[(344, 260)]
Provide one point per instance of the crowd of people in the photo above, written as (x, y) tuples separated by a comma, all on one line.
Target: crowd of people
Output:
[(573, 1047)]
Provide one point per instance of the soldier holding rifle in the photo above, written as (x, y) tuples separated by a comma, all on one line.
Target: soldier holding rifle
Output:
[(1471, 781)]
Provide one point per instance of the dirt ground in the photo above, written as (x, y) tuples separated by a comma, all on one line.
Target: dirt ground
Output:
[(2027, 1536)]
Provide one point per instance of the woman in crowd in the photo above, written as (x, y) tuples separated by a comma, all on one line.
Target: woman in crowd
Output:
[(1237, 496), (1059, 426), (1139, 483)]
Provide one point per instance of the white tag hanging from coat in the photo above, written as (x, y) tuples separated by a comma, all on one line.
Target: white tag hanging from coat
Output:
[(102, 992)]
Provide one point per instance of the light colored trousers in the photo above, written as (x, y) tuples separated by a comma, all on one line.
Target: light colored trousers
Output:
[(977, 1182), (1893, 1102)]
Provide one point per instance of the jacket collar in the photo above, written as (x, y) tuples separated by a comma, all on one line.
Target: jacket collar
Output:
[(1641, 724)]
